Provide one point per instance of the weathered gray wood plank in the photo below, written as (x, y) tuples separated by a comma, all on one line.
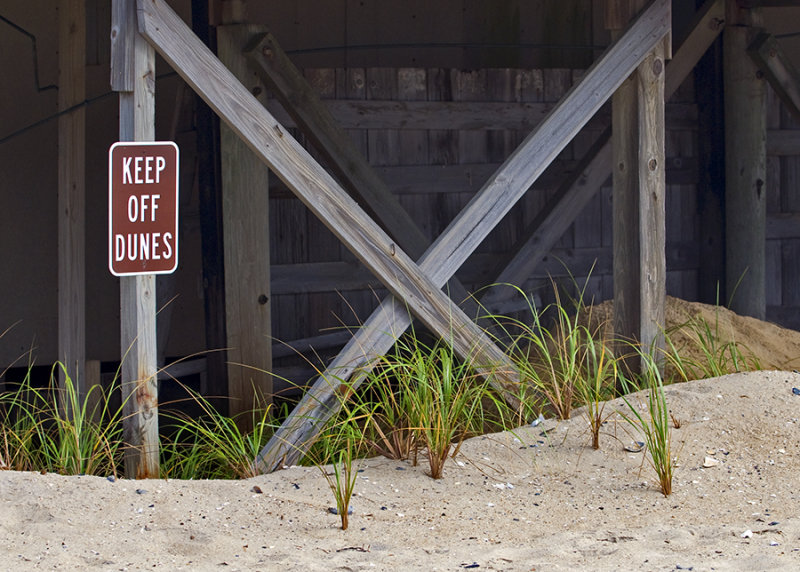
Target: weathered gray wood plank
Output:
[(72, 193), (745, 175), (351, 167), (137, 293), (459, 115), (245, 211)]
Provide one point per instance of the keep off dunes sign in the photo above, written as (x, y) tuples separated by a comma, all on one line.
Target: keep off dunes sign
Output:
[(143, 208)]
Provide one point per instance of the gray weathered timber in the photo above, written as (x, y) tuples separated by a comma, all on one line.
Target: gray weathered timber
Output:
[(745, 175), (469, 228), (245, 211), (639, 190), (652, 201), (72, 193), (778, 69), (137, 293), (594, 169), (320, 192)]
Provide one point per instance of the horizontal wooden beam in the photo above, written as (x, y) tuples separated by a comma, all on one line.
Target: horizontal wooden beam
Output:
[(316, 277), (458, 115), (783, 142), (470, 177), (783, 226), (472, 225)]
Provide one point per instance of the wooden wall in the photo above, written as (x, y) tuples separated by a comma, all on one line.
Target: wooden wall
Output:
[(435, 135), (783, 214)]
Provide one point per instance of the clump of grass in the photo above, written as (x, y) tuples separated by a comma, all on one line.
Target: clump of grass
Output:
[(654, 425), (339, 447), (55, 429), (212, 445), (389, 430), (562, 359), (426, 397), (597, 384), (716, 357), (446, 403)]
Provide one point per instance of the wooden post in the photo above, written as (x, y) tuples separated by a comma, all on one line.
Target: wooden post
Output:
[(133, 75), (207, 128), (245, 209), (745, 167), (71, 191), (639, 196)]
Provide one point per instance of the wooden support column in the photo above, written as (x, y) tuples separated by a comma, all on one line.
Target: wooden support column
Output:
[(71, 191), (639, 185), (207, 127), (245, 209), (745, 167), (133, 76)]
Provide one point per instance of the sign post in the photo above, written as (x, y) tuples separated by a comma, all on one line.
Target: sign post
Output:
[(142, 242)]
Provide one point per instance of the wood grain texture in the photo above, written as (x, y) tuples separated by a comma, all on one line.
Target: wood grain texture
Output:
[(139, 382), (72, 191), (478, 114), (745, 175), (245, 208)]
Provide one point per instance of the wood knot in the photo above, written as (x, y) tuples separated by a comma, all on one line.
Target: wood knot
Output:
[(658, 66)]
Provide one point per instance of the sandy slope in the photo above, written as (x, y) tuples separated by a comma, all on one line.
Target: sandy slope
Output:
[(510, 501)]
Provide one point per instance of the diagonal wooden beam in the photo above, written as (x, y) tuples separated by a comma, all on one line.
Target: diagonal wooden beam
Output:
[(311, 114), (469, 228), (593, 171), (778, 69), (245, 115)]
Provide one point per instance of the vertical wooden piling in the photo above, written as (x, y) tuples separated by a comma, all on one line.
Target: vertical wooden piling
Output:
[(133, 76), (745, 167), (245, 208), (639, 195), (71, 190)]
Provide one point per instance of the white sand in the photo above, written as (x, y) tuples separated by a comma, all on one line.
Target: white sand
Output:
[(503, 504)]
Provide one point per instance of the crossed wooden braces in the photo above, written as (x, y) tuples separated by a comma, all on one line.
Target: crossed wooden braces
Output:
[(414, 286)]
